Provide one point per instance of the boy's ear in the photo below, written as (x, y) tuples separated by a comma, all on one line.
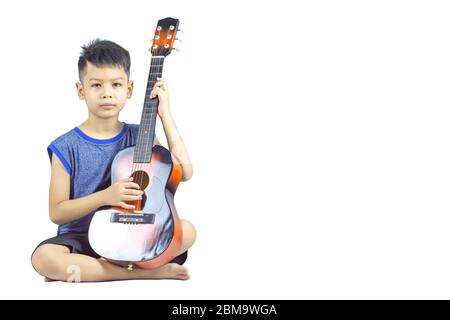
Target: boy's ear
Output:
[(80, 91), (130, 89)]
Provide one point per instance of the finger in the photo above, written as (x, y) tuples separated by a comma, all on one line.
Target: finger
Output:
[(133, 192), (156, 91), (131, 185), (126, 206), (160, 84), (131, 198), (126, 179)]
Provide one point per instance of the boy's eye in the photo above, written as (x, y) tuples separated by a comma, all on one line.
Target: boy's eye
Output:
[(117, 84), (95, 85)]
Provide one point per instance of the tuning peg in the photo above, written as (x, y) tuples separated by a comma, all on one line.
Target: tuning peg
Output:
[(180, 31), (178, 39), (176, 49)]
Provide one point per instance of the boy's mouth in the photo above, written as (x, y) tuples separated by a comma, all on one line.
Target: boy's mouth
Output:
[(107, 105)]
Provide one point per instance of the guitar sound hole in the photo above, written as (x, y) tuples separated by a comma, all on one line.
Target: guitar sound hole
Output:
[(141, 178)]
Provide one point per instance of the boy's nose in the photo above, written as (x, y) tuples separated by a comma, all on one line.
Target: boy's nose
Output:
[(106, 96)]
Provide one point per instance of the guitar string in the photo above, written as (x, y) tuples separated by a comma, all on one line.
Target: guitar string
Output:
[(137, 166), (139, 174), (155, 70)]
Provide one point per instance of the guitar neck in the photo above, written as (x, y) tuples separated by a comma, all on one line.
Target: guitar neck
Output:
[(146, 135)]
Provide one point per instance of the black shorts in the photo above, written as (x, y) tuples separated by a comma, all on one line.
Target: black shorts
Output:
[(79, 243)]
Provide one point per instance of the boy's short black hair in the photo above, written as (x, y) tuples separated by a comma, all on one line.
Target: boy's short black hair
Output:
[(104, 52)]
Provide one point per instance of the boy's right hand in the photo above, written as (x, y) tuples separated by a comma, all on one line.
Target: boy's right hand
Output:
[(121, 191)]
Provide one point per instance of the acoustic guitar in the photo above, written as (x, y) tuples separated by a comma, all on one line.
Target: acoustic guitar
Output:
[(150, 235)]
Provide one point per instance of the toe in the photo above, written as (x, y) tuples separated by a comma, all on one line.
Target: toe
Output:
[(183, 270), (176, 271)]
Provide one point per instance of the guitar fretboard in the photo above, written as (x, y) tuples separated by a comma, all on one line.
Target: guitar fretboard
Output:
[(146, 135)]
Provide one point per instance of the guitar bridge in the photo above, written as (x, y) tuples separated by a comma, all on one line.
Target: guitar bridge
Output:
[(132, 218)]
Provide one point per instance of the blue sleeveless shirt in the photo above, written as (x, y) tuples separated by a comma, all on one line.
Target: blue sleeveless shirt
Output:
[(88, 162)]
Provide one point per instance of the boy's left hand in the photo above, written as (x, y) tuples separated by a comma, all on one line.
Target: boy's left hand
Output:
[(162, 91)]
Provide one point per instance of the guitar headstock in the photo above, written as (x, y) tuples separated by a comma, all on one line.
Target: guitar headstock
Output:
[(164, 38)]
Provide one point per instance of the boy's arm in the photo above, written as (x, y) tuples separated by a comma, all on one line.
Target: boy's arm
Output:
[(176, 145), (61, 209)]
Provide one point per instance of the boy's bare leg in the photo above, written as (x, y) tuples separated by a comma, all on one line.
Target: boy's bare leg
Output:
[(56, 262)]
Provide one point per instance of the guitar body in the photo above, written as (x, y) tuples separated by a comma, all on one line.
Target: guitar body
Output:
[(150, 235)]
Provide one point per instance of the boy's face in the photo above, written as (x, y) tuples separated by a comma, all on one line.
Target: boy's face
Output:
[(105, 89)]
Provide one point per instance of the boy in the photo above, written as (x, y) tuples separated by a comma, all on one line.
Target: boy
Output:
[(80, 175)]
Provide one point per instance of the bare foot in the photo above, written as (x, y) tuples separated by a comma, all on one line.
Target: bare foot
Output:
[(167, 271), (171, 271)]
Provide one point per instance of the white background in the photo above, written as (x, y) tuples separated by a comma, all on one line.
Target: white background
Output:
[(318, 131)]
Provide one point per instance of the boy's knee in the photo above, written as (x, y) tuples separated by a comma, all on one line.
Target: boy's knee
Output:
[(189, 233), (47, 261)]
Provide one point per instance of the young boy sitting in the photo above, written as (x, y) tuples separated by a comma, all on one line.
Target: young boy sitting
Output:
[(80, 174)]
